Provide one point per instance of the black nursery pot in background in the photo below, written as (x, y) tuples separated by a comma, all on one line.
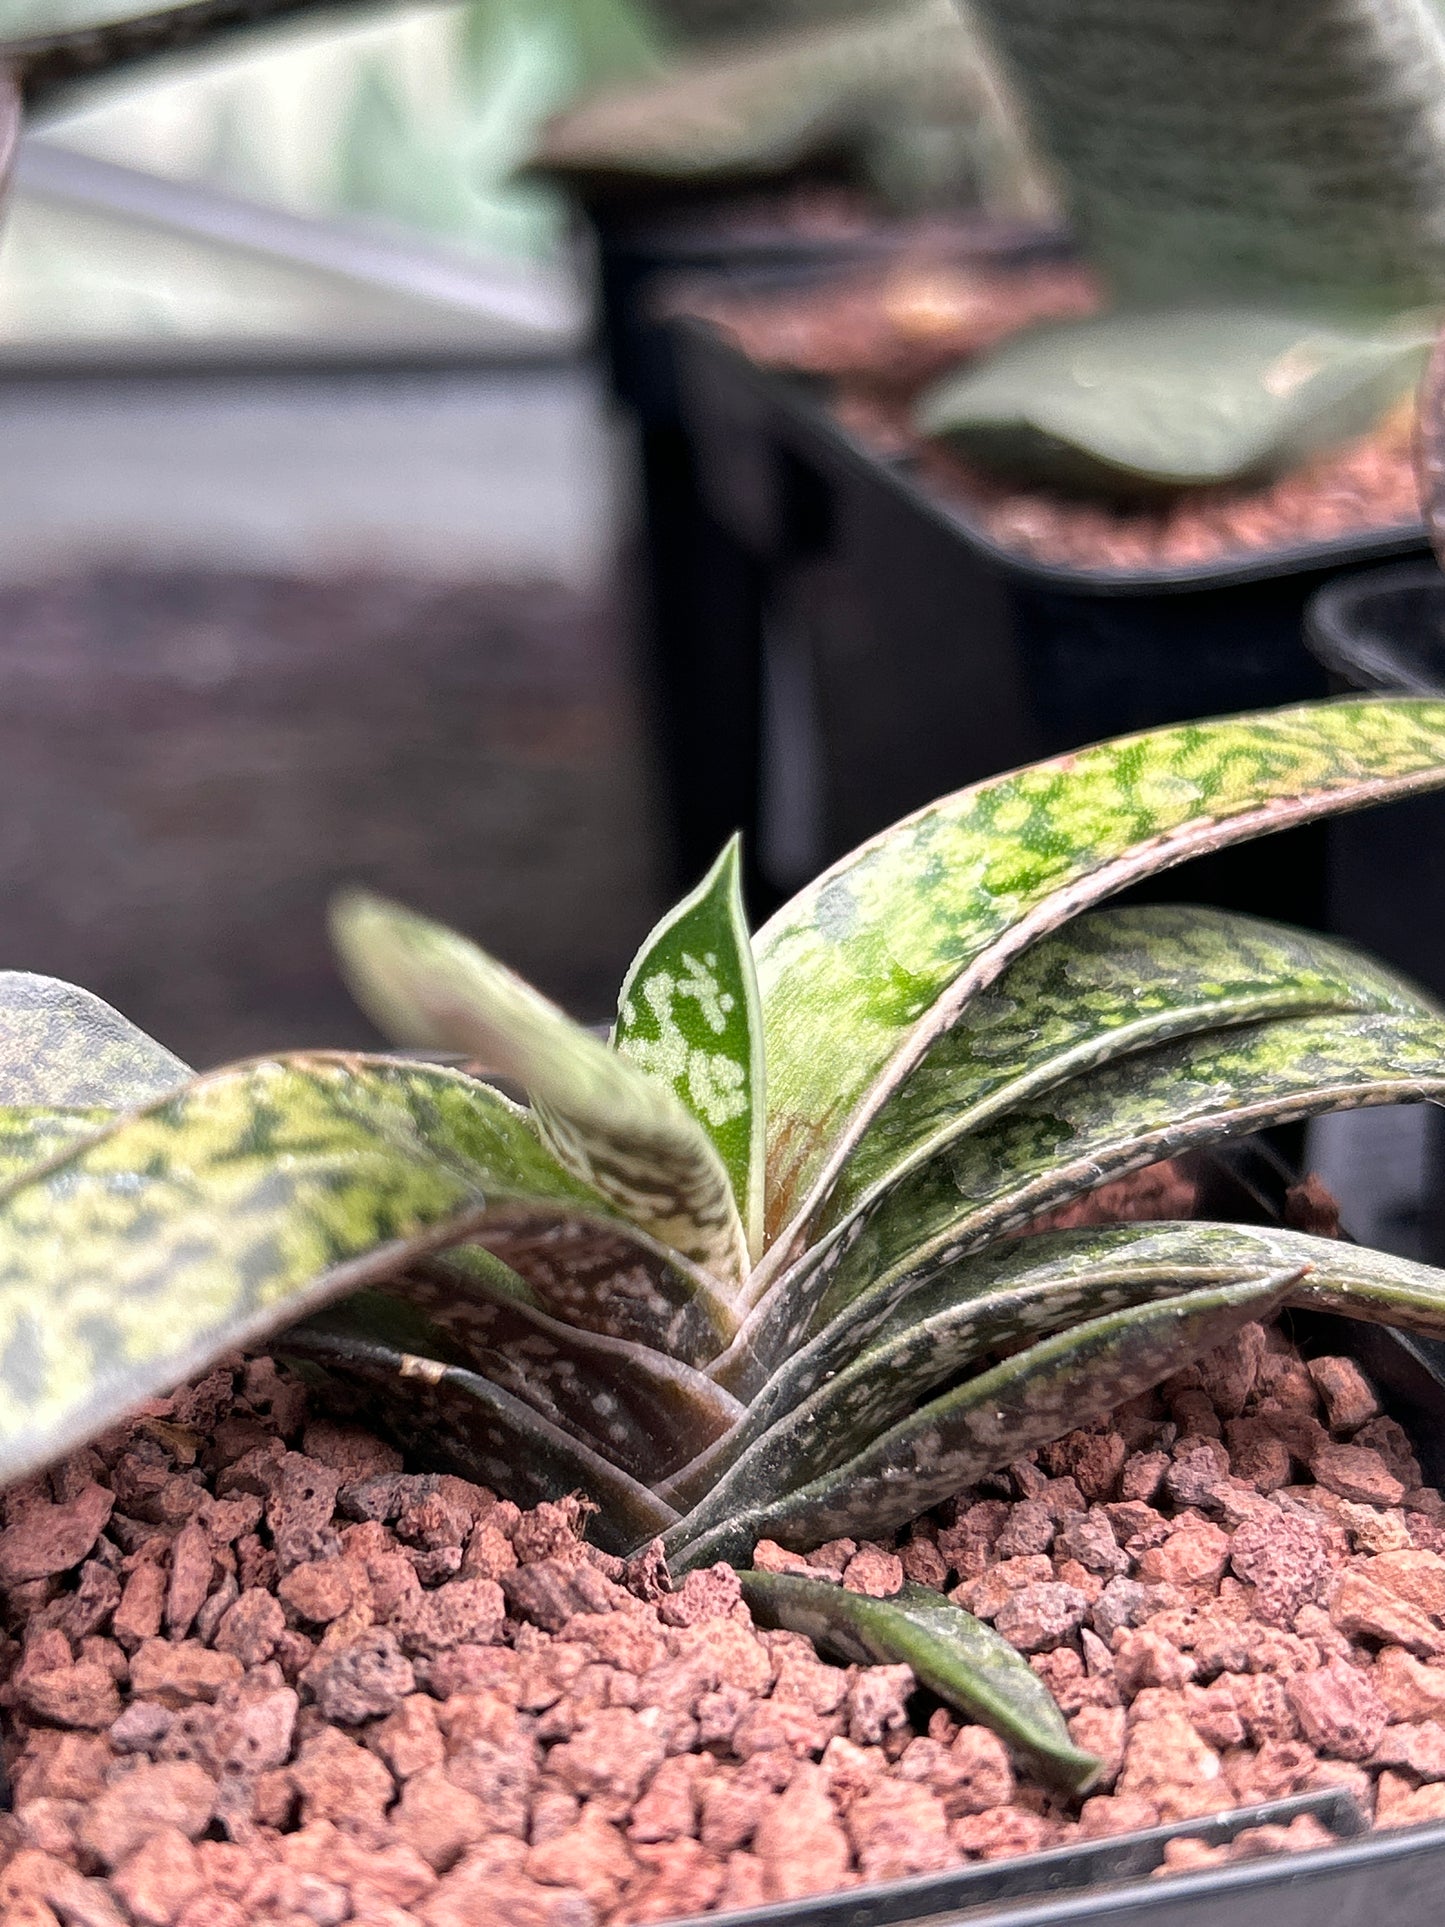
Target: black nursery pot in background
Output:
[(707, 589), (936, 657), (1384, 629)]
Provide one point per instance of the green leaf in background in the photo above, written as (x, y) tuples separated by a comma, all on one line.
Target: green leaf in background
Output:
[(1250, 153), (60, 1046), (612, 1125), (1065, 1381), (688, 1015), (955, 1655), (1172, 398), (869, 965), (31, 1135), (1109, 983), (255, 1195)]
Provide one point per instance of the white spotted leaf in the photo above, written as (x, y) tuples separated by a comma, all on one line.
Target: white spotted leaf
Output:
[(688, 1014), (604, 1119)]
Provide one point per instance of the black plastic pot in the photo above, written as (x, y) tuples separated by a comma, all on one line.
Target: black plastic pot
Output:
[(706, 588), (937, 657)]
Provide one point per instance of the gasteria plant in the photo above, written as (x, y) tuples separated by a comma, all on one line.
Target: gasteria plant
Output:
[(1261, 188), (747, 1269)]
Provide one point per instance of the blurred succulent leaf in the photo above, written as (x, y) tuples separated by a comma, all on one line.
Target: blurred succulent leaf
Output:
[(458, 1418), (965, 1662), (1430, 447), (61, 1046), (31, 1135), (1065, 1381), (864, 969), (1180, 1096), (1173, 398), (1243, 156), (609, 1123), (1110, 983), (253, 1196), (688, 1016)]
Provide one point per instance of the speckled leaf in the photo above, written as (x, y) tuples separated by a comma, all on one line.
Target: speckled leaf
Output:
[(688, 1015), (620, 1130), (62, 1047), (883, 1353), (1177, 1097), (1065, 1381), (955, 1655), (32, 1134), (445, 1415), (1109, 983), (255, 1194), (646, 1412), (864, 969)]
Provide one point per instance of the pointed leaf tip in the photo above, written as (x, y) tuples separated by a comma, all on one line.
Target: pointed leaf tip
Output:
[(688, 1015), (609, 1123), (955, 1655)]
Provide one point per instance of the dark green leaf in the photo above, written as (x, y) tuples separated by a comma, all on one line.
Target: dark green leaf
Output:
[(688, 1015), (619, 1130), (1064, 1382), (955, 1655)]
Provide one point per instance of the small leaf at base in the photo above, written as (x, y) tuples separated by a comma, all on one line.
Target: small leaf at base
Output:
[(955, 1655)]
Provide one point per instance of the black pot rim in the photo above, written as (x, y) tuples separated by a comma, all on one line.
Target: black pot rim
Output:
[(1364, 658)]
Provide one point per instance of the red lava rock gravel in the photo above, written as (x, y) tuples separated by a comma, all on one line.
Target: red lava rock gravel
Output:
[(258, 1675)]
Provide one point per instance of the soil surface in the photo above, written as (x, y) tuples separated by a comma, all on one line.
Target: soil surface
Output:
[(259, 1674), (879, 339)]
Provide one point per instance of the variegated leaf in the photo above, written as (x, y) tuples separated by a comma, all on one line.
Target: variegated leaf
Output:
[(867, 967), (1063, 1382), (62, 1048), (953, 1654), (1107, 984), (688, 1015), (446, 1415), (253, 1196), (1177, 1097), (31, 1135), (645, 1411), (623, 1132), (884, 1352)]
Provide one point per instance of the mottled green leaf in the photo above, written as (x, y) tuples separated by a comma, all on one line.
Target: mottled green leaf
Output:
[(62, 1047), (882, 1354), (1173, 398), (688, 1015), (255, 1194), (32, 1135), (1177, 1097), (868, 966), (612, 1125), (955, 1655), (1065, 1381), (445, 1415), (1107, 984)]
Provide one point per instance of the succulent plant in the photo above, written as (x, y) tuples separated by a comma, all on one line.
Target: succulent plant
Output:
[(1268, 224), (904, 93), (748, 1268)]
